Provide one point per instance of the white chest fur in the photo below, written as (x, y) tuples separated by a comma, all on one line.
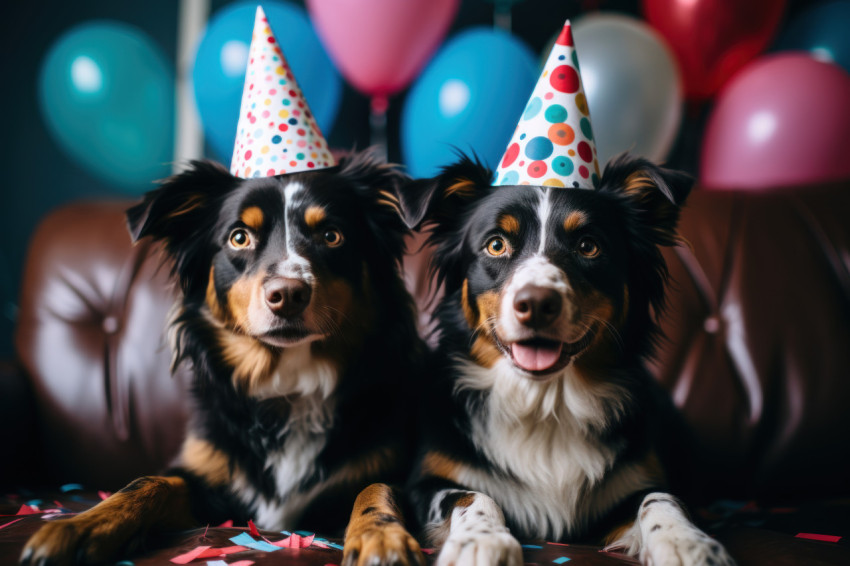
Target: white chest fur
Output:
[(540, 434), (308, 383)]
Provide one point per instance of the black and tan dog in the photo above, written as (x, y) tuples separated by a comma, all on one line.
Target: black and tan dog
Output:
[(549, 426), (301, 340)]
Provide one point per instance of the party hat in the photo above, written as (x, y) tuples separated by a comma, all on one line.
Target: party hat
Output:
[(277, 133), (553, 142)]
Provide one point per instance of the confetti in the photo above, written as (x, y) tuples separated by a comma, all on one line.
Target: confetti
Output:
[(10, 522), (226, 525), (187, 557), (245, 539), (531, 546), (224, 551), (561, 560), (28, 510), (824, 538), (252, 528), (242, 563), (71, 487), (104, 495)]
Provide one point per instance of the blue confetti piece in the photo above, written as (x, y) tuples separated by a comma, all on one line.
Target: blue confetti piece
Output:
[(125, 563), (71, 487), (531, 546), (561, 560), (287, 533), (244, 539), (34, 502), (334, 545), (304, 534)]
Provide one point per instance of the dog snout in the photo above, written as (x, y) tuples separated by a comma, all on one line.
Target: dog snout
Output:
[(287, 297), (537, 307)]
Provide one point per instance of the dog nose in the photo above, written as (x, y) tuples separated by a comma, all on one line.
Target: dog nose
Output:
[(287, 297), (537, 307)]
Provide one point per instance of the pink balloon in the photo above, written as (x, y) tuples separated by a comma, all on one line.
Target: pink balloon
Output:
[(381, 45), (782, 120)]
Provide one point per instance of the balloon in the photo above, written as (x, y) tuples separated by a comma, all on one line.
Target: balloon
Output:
[(713, 38), (220, 62), (783, 120), (107, 95), (822, 30), (632, 84), (469, 97), (380, 45)]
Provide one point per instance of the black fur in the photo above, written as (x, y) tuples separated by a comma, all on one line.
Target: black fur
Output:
[(368, 415), (629, 226)]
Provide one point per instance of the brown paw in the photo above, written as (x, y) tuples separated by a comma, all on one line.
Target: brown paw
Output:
[(386, 545), (77, 540)]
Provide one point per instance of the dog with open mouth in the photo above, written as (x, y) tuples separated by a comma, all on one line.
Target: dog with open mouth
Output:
[(549, 424), (299, 335)]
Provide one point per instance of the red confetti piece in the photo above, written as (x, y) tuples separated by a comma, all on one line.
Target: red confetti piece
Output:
[(824, 538), (558, 543), (104, 495), (242, 563), (10, 522), (226, 525), (27, 510), (252, 529), (224, 551), (187, 557)]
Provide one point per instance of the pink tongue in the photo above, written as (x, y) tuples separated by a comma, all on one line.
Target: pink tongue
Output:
[(535, 358)]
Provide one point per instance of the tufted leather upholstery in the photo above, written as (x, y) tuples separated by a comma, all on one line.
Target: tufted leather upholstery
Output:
[(757, 355)]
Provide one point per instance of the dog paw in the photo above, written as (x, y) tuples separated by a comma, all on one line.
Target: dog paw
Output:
[(388, 545), (684, 547), (481, 549), (74, 541)]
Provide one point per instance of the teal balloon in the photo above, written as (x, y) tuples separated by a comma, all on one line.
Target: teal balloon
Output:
[(107, 95), (823, 30), (470, 97), (218, 74)]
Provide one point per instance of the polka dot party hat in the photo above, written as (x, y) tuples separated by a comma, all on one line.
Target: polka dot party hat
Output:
[(553, 142), (277, 132)]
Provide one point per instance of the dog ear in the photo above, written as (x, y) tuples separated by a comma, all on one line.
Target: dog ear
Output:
[(181, 204), (181, 214), (654, 195), (442, 199)]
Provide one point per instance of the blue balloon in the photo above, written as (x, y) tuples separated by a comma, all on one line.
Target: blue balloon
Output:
[(823, 30), (107, 95), (469, 97), (220, 63)]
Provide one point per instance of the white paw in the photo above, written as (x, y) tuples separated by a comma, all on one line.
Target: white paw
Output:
[(481, 549), (682, 546)]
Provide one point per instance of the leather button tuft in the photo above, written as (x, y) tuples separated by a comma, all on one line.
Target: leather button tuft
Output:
[(711, 325), (110, 325)]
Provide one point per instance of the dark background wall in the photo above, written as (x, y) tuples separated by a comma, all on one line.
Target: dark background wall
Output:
[(37, 176)]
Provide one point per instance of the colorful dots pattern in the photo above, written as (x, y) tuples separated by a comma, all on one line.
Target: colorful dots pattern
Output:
[(553, 144), (286, 117)]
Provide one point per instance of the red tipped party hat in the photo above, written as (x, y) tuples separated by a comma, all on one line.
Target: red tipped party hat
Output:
[(553, 142), (277, 133)]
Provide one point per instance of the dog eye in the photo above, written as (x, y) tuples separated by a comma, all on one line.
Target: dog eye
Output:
[(333, 238), (588, 247), (240, 239), (497, 246)]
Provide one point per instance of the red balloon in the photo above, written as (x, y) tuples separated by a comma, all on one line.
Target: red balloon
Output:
[(381, 45), (783, 120), (713, 38)]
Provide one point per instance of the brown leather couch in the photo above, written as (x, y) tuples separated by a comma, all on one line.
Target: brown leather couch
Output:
[(757, 356)]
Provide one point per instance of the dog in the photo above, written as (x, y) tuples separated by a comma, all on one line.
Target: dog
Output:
[(548, 424), (302, 342)]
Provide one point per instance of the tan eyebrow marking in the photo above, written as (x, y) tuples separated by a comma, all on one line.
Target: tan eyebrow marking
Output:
[(509, 224), (252, 217), (464, 187), (574, 220), (314, 215)]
